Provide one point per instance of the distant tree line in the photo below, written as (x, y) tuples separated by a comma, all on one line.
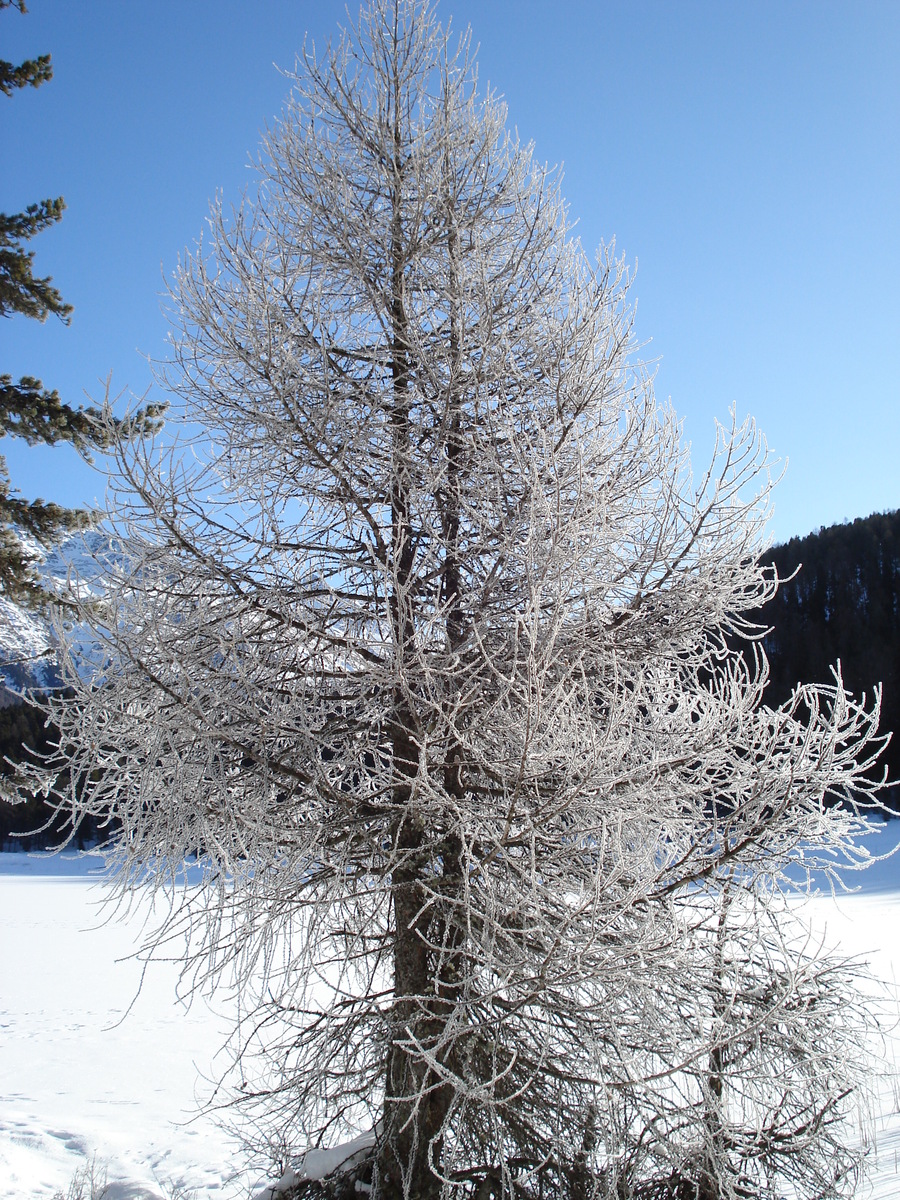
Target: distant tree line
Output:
[(33, 825), (841, 603)]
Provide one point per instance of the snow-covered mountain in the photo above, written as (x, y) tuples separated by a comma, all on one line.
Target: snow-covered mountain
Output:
[(27, 655), (26, 652)]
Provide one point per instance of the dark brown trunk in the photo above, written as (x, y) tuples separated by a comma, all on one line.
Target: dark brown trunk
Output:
[(413, 1117), (426, 943)]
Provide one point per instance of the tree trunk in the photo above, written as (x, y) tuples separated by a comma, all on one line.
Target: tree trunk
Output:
[(413, 1115)]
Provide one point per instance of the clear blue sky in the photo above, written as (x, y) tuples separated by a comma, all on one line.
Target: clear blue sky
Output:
[(747, 155)]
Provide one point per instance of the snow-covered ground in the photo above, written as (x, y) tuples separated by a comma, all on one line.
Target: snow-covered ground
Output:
[(93, 1060)]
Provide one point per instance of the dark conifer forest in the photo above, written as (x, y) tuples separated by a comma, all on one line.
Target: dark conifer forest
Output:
[(23, 731), (34, 825), (841, 602)]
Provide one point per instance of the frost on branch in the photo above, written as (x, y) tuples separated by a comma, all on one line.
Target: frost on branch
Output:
[(422, 635)]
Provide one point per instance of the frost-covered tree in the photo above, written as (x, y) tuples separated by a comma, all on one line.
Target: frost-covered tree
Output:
[(423, 638)]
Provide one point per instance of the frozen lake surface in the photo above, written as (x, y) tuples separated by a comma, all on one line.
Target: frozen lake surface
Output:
[(93, 1060)]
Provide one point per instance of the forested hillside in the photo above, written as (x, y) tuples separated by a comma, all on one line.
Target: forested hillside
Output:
[(842, 603), (22, 730), (28, 665)]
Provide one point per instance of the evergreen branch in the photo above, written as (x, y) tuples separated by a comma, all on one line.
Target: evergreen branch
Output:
[(20, 290), (29, 411), (31, 73)]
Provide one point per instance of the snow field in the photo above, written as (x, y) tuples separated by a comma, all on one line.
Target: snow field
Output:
[(866, 925), (95, 1059), (99, 1057)]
